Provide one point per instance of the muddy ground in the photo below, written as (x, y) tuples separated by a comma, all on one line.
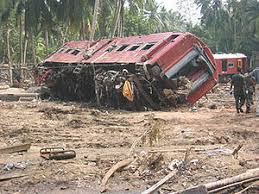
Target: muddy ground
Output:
[(103, 137)]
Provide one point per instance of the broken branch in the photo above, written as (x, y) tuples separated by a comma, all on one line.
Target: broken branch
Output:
[(116, 167), (9, 177), (227, 181), (160, 183)]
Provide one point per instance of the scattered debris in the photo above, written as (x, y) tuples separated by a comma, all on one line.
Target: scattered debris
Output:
[(236, 150), (57, 153), (15, 94), (196, 190), (151, 135), (160, 183), (11, 176), (116, 167), (218, 186), (212, 106), (250, 175), (219, 151), (175, 167), (15, 148), (19, 165)]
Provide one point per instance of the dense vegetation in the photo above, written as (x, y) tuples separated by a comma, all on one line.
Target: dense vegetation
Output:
[(31, 29)]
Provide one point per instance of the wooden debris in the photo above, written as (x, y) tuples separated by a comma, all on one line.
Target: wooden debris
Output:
[(227, 181), (15, 148), (13, 176), (116, 167), (254, 185), (187, 156), (182, 150), (160, 183), (234, 184), (236, 150), (195, 190), (216, 187)]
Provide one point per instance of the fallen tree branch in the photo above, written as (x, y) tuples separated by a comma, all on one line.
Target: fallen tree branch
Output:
[(160, 183), (234, 184), (9, 177), (114, 168), (236, 150), (227, 181), (256, 184)]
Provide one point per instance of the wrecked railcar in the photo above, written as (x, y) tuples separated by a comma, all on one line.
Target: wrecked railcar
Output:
[(153, 71)]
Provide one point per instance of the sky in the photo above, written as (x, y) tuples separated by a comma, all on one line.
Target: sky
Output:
[(190, 12), (169, 4)]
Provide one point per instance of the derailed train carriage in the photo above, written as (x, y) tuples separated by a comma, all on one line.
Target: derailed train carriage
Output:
[(153, 71)]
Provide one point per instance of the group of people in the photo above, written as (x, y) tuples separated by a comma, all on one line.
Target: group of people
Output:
[(244, 88)]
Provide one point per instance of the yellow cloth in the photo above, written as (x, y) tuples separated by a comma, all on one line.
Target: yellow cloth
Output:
[(128, 91)]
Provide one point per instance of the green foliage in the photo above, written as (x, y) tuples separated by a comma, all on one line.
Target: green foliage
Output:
[(232, 26), (229, 27)]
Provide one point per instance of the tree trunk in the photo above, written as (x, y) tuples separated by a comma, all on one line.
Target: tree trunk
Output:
[(121, 19), (9, 55), (95, 18), (47, 42), (21, 40), (33, 49), (116, 18), (25, 50)]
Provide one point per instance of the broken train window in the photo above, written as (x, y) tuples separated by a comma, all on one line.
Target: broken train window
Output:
[(61, 50), (68, 50), (133, 48), (148, 46), (123, 47), (111, 48), (75, 52)]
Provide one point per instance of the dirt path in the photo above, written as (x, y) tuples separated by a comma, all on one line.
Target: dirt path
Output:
[(102, 138)]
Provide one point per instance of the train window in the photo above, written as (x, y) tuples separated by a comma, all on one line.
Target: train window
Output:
[(75, 52), (133, 48), (224, 65), (123, 47), (148, 46), (61, 50), (231, 65), (110, 49), (68, 50)]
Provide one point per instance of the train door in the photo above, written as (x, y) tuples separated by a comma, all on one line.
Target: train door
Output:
[(224, 65)]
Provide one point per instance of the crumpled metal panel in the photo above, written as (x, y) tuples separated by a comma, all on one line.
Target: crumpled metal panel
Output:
[(101, 55)]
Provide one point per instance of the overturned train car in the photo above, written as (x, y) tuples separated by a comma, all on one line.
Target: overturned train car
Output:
[(153, 71)]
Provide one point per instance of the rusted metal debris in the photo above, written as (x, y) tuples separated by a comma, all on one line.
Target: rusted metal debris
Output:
[(57, 153), (139, 72)]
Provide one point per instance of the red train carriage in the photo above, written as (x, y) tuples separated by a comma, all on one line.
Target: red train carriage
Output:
[(227, 65), (155, 67)]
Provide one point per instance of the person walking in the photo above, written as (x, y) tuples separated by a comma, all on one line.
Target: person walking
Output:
[(255, 74), (250, 83), (238, 81)]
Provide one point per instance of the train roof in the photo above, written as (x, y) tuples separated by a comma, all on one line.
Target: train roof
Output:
[(229, 56), (125, 50)]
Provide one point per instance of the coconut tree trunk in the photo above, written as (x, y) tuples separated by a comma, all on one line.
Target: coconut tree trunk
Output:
[(116, 19), (9, 55), (121, 19), (33, 48), (95, 18), (21, 40), (47, 41), (25, 50)]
